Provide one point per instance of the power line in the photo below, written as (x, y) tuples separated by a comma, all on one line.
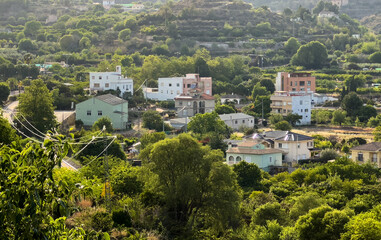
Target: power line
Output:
[(114, 138)]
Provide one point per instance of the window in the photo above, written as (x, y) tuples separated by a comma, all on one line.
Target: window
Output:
[(298, 145), (208, 92), (100, 77), (107, 85), (88, 112), (301, 102), (302, 89), (294, 89), (279, 145), (291, 83), (178, 84), (96, 85), (170, 84), (161, 91), (177, 92), (308, 89), (235, 122), (284, 110), (308, 83), (270, 159), (208, 84), (296, 83), (238, 159), (231, 159), (107, 77), (162, 84), (188, 85), (243, 121), (171, 91), (306, 110), (93, 77), (302, 83), (189, 103), (180, 103), (360, 157), (374, 157), (99, 113)]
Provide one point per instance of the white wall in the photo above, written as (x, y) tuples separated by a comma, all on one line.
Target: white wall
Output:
[(168, 89), (302, 105), (102, 81)]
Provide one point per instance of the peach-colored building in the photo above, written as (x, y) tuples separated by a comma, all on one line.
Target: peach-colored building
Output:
[(295, 82), (193, 81)]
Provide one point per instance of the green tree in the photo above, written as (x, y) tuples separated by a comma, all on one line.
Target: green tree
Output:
[(275, 118), (4, 92), (26, 45), (321, 223), (7, 133), (291, 46), (33, 194), (366, 112), (338, 117), (32, 28), (293, 118), (363, 226), (151, 138), (375, 57), (352, 104), (36, 105), (329, 154), (312, 55), (377, 134), (283, 126), (124, 180), (207, 122), (69, 43), (153, 120), (194, 183), (248, 175), (103, 122), (85, 43), (124, 35), (259, 90), (268, 84), (355, 82), (224, 109), (269, 211)]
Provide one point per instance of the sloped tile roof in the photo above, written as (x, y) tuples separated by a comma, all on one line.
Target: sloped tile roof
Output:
[(110, 99), (374, 146), (254, 151)]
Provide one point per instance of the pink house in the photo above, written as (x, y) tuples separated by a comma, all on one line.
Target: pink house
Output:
[(194, 81)]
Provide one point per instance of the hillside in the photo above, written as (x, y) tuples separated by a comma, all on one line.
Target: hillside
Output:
[(373, 22)]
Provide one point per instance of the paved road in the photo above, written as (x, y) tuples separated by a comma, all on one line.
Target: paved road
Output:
[(11, 107)]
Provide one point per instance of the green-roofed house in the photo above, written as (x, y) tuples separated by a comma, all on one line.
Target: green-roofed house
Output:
[(106, 105)]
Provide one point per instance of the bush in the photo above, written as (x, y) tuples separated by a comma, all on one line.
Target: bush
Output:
[(328, 154), (283, 126), (102, 221), (122, 218)]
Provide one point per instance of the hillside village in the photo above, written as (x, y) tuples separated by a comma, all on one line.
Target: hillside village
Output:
[(190, 119)]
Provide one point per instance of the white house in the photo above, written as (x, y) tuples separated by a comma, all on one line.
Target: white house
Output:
[(169, 88), (108, 3), (102, 81), (237, 120)]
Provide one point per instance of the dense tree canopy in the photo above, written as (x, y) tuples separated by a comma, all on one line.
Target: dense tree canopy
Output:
[(312, 55)]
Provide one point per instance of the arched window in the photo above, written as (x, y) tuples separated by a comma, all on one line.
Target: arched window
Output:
[(231, 159), (238, 159)]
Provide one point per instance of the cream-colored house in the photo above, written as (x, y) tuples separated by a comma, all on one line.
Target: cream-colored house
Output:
[(367, 153), (295, 146)]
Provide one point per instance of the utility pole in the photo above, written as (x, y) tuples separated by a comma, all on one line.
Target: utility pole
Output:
[(262, 112), (107, 180)]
